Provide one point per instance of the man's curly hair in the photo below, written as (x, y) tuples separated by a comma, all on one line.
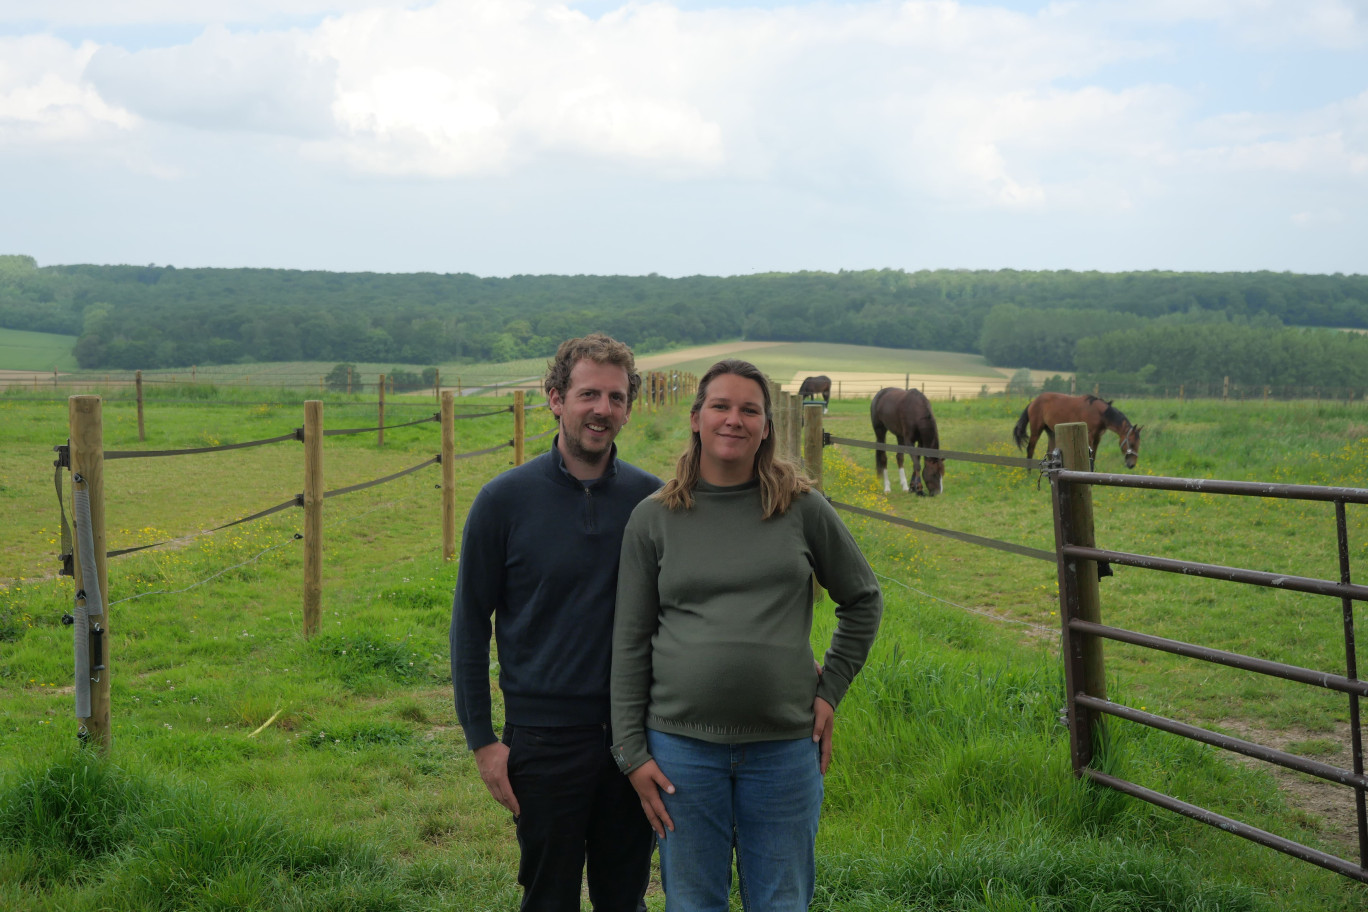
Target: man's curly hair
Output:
[(598, 348)]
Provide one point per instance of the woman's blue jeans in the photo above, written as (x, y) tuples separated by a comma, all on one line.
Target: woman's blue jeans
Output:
[(763, 799)]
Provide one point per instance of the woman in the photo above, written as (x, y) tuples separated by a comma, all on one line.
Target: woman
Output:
[(723, 717)]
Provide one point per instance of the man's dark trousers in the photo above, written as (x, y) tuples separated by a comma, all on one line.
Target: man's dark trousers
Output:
[(576, 808)]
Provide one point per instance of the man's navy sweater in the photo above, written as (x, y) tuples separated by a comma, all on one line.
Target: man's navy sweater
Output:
[(539, 564)]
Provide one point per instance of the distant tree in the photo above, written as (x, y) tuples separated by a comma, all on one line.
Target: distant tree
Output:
[(1020, 384), (404, 381), (339, 378), (1055, 384)]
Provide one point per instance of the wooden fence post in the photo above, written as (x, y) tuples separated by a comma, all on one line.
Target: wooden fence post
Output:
[(86, 420), (519, 427), (313, 515), (137, 381), (437, 385), (448, 475), (812, 442), (380, 435), (1225, 388), (812, 461), (1084, 671), (779, 401)]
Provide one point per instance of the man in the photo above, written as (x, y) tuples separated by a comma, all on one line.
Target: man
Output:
[(539, 563)]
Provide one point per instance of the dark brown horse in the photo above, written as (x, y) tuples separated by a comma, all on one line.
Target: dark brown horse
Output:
[(1049, 409), (907, 414), (813, 387)]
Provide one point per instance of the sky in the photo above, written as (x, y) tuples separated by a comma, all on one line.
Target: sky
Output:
[(686, 137)]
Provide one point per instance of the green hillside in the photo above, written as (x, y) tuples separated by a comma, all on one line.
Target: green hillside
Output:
[(23, 350)]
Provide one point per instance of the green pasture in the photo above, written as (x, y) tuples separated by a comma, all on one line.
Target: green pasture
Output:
[(252, 767), (35, 351)]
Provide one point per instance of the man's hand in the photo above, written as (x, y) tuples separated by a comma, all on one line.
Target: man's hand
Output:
[(492, 762), (824, 720), (648, 781)]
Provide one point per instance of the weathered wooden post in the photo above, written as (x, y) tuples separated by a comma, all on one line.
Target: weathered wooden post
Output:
[(137, 382), (1225, 388), (812, 461), (812, 442), (794, 444), (380, 434), (313, 515), (1079, 598), (448, 475), (86, 421), (779, 409), (519, 427)]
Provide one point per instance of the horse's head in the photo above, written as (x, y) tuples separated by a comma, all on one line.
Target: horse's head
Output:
[(1130, 445), (934, 474)]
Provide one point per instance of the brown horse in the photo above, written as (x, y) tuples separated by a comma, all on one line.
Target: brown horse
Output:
[(907, 414), (1049, 409), (813, 387)]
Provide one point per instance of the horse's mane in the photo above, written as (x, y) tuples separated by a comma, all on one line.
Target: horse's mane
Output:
[(1113, 416)]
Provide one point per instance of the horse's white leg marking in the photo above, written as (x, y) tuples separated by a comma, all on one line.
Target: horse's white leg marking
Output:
[(887, 489), (902, 477)]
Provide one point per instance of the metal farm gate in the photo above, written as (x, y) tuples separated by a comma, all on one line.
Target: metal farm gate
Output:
[(1083, 633), (1077, 560)]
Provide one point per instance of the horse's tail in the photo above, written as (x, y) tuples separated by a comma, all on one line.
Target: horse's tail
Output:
[(1019, 432)]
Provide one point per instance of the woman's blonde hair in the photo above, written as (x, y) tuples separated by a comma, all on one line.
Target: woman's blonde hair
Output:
[(780, 480)]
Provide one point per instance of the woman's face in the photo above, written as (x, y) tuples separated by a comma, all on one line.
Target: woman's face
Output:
[(730, 425)]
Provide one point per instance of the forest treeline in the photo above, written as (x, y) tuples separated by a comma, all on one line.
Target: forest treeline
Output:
[(1264, 327)]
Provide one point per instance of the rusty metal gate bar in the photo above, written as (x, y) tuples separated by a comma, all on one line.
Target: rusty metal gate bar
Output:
[(1086, 708)]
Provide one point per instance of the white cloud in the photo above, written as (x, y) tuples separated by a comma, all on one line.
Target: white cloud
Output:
[(44, 101), (221, 81), (86, 13)]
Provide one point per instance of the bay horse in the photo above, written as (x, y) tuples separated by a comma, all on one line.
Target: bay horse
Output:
[(907, 414), (813, 387), (1049, 409)]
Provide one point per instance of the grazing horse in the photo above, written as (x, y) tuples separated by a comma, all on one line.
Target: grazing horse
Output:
[(907, 414), (1049, 409), (813, 387)]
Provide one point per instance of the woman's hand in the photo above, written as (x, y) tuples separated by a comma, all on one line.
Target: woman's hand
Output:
[(824, 720), (648, 781)]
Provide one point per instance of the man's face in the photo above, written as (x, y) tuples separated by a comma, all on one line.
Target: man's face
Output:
[(592, 411)]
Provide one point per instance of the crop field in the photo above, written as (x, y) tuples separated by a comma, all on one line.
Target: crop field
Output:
[(21, 350), (252, 767)]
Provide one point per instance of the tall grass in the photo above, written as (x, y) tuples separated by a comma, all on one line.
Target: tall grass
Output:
[(950, 787)]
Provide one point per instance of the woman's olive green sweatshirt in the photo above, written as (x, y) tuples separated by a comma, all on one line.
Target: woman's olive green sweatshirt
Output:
[(713, 627)]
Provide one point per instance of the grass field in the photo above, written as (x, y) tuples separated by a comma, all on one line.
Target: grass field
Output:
[(35, 351), (950, 787)]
